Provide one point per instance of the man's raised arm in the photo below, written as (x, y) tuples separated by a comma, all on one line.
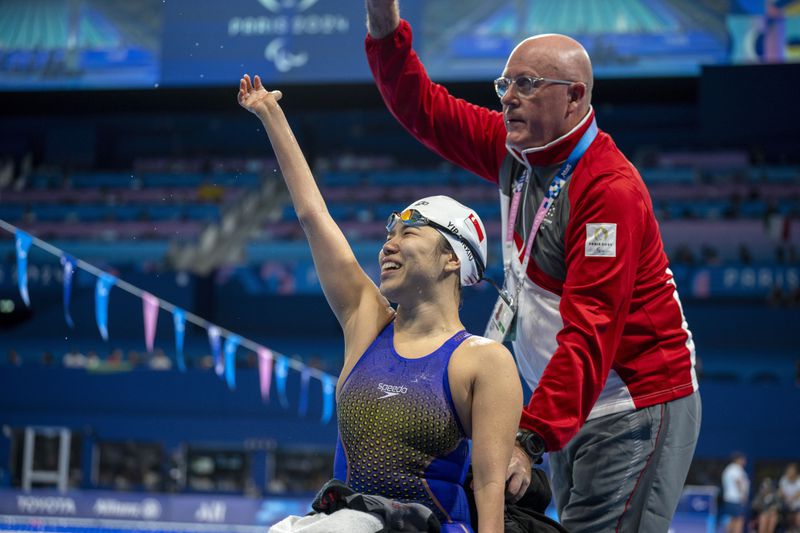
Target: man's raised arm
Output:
[(383, 16), (467, 135)]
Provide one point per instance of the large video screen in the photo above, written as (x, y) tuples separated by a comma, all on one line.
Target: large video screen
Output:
[(625, 38), (92, 44), (64, 44)]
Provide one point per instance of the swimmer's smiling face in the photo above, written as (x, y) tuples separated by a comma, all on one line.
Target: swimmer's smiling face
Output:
[(411, 258)]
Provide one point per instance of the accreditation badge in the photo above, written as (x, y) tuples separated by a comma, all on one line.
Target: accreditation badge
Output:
[(502, 322)]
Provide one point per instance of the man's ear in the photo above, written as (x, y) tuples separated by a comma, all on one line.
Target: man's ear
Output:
[(577, 91)]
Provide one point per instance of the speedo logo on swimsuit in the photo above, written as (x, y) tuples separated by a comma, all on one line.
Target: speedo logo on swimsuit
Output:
[(391, 390)]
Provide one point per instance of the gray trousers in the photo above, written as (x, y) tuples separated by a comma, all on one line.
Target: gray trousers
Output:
[(625, 472)]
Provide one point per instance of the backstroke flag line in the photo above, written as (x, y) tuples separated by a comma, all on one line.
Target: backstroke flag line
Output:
[(179, 322), (216, 350), (305, 378), (328, 389), (264, 371), (281, 373), (150, 312), (101, 293), (68, 266), (231, 343), (269, 363), (23, 244)]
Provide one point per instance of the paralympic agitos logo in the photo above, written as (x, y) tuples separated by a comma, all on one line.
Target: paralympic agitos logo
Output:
[(276, 6)]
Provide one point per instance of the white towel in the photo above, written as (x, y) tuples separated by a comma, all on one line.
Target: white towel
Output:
[(342, 521)]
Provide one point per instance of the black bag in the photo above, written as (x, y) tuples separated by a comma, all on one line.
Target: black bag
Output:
[(527, 515), (398, 517)]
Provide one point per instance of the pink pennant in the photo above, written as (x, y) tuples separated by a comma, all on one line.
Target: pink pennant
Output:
[(264, 371), (150, 307)]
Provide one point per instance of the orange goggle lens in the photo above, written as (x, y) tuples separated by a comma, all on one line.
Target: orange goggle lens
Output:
[(409, 217)]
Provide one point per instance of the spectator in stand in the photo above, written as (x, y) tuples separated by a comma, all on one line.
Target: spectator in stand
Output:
[(13, 358), (710, 255), (134, 359), (735, 491), (205, 362), (115, 358), (789, 488), (74, 359), (745, 256), (683, 255), (766, 507), (210, 192), (47, 358), (92, 360), (251, 360), (160, 361)]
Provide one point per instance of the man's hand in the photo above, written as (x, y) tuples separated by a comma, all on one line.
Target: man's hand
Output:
[(383, 16), (518, 476), (255, 98)]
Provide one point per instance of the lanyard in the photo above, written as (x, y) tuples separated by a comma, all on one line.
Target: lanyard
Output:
[(553, 191)]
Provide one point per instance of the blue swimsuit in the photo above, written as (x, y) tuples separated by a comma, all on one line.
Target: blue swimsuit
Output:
[(399, 434)]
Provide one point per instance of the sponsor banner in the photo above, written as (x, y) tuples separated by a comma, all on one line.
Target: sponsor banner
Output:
[(737, 281), (190, 508), (127, 508), (211, 42), (696, 509)]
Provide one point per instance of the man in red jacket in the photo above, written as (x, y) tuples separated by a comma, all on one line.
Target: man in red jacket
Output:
[(590, 303)]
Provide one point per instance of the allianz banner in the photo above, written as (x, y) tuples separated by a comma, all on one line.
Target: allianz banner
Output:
[(153, 508)]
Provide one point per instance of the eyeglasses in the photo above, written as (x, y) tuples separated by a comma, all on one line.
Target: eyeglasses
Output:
[(413, 218), (526, 85)]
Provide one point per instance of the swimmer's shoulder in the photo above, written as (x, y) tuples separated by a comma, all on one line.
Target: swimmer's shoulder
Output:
[(482, 353)]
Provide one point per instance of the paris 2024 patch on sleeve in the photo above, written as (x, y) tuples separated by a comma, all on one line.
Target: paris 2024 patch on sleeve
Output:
[(601, 240)]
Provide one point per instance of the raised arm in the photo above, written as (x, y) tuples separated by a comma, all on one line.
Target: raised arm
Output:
[(383, 16), (496, 407), (347, 288), (468, 135)]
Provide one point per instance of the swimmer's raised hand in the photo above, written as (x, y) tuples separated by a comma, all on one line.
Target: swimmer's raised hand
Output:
[(255, 98)]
